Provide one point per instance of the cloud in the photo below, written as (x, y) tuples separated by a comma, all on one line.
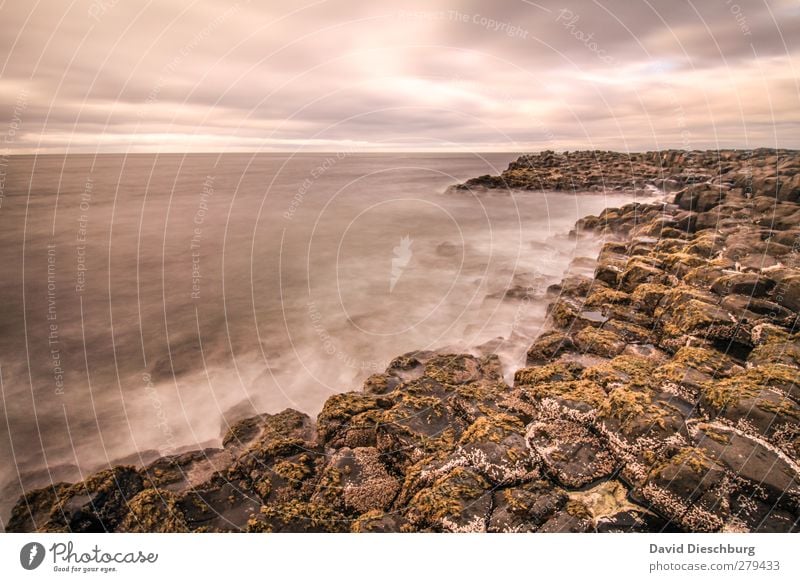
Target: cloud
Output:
[(189, 75)]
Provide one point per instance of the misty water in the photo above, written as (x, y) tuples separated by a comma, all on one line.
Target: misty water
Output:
[(149, 301)]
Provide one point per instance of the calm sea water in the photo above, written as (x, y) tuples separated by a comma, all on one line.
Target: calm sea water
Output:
[(148, 301)]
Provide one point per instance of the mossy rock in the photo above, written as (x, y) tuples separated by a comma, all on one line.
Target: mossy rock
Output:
[(745, 399), (631, 371), (454, 369), (582, 395), (495, 447), (630, 333), (32, 511), (605, 296), (95, 505), (639, 272), (548, 347), (381, 384), (647, 296), (708, 361), (689, 489), (340, 408), (599, 341), (242, 433), (477, 399), (379, 522), (571, 453), (154, 511), (417, 426), (460, 500), (525, 508), (785, 353), (694, 317), (557, 372), (299, 517), (355, 481)]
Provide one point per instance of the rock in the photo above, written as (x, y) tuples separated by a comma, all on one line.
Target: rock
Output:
[(787, 293), (459, 501), (768, 471), (297, 517), (744, 284), (95, 505), (356, 481), (495, 447), (570, 452), (688, 489), (525, 508), (548, 347), (599, 341)]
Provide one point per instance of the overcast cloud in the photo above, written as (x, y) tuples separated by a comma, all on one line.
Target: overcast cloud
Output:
[(508, 75)]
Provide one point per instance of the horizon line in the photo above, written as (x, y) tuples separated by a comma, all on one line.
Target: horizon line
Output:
[(9, 154)]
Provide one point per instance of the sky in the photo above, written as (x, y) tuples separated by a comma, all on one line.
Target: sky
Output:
[(99, 76)]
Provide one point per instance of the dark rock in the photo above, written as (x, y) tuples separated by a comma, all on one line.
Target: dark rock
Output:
[(570, 452)]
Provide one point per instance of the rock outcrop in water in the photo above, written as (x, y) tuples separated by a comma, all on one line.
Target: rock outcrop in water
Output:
[(582, 171), (663, 398)]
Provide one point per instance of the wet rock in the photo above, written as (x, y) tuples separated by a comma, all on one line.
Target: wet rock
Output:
[(356, 481), (548, 347), (689, 489), (599, 341), (297, 517), (773, 474), (744, 284), (459, 501), (638, 273), (570, 452), (495, 446), (95, 505), (380, 522), (525, 508)]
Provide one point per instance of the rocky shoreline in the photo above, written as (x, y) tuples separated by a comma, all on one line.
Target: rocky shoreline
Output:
[(664, 396)]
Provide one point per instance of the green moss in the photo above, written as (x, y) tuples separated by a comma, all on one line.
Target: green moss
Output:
[(578, 509), (690, 316), (691, 457), (688, 259), (633, 371), (721, 393), (452, 369), (563, 313), (297, 516), (339, 409), (481, 391), (606, 296), (447, 497), (362, 523), (492, 428), (599, 341), (628, 405), (577, 390), (154, 511), (294, 471), (556, 372), (648, 295)]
